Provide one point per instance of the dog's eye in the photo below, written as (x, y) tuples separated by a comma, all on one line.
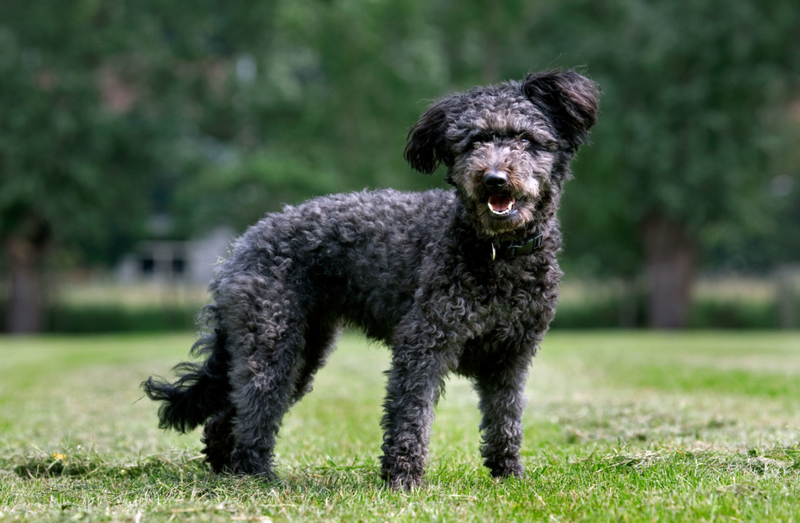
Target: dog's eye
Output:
[(480, 138), (529, 143), (535, 145)]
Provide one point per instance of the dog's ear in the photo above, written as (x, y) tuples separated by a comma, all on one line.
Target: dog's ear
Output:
[(426, 147), (569, 98)]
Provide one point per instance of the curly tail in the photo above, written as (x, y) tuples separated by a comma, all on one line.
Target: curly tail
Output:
[(202, 389)]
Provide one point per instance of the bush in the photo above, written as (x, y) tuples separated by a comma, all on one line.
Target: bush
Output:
[(591, 314), (704, 314), (597, 313), (87, 319), (733, 315)]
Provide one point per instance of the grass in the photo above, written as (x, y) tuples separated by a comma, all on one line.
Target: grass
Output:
[(621, 426)]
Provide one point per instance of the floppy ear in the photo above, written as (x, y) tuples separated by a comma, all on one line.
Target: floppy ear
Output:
[(426, 147), (569, 98)]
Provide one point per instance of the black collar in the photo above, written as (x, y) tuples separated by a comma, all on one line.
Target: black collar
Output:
[(520, 248)]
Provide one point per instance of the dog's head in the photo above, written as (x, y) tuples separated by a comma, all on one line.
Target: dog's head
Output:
[(507, 147)]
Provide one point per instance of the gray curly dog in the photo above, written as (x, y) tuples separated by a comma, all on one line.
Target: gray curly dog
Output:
[(461, 281)]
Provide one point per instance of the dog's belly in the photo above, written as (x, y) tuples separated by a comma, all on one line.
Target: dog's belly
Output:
[(378, 306)]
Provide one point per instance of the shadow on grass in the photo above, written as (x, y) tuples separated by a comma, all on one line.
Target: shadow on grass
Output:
[(76, 465), (549, 474)]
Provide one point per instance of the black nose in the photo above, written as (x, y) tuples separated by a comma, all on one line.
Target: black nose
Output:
[(495, 180)]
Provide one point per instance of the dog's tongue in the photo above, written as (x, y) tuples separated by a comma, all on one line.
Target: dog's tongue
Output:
[(501, 203)]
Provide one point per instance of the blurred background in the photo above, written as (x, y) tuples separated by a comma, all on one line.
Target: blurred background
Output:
[(137, 138)]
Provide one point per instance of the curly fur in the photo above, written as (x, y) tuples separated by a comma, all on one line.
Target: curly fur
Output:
[(414, 270)]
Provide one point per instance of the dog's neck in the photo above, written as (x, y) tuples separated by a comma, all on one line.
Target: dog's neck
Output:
[(512, 249)]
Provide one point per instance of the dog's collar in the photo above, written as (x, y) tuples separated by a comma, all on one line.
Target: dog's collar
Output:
[(521, 248)]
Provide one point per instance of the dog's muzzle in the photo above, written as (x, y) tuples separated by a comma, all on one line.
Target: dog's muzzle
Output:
[(500, 202)]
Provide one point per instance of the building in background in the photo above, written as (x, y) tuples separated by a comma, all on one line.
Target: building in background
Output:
[(176, 262)]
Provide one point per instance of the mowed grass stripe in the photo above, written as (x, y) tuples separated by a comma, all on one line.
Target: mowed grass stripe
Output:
[(675, 378), (620, 426), (747, 364)]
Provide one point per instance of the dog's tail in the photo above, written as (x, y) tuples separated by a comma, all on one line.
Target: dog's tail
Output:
[(202, 389)]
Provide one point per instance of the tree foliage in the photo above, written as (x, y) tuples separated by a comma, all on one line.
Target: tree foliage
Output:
[(82, 135), (694, 97), (111, 111)]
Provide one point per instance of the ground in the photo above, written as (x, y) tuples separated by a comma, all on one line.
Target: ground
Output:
[(621, 425)]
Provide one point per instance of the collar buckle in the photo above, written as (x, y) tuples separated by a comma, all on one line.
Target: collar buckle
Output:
[(513, 249)]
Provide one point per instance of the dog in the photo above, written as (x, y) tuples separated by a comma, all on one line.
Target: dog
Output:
[(454, 281)]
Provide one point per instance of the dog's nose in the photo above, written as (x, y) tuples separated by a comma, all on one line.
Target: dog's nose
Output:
[(495, 180)]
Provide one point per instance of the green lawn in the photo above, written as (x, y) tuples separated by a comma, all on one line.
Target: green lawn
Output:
[(620, 426)]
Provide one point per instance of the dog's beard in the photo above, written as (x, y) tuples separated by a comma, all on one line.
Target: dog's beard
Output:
[(515, 214)]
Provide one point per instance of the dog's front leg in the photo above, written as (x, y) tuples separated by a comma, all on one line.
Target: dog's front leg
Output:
[(414, 386), (502, 401)]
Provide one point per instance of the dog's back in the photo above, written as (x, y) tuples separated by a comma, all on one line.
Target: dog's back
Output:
[(358, 255)]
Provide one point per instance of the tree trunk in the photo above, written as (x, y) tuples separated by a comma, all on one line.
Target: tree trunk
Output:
[(670, 260), (25, 306), (628, 312), (787, 298)]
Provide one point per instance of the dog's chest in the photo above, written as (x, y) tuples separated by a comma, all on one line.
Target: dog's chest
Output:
[(506, 301), (514, 298), (511, 308)]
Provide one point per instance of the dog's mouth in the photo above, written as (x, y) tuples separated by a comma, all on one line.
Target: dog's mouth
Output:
[(501, 205)]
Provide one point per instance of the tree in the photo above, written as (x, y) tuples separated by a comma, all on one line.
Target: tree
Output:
[(322, 104), (109, 109), (688, 140), (78, 141), (689, 135), (684, 148)]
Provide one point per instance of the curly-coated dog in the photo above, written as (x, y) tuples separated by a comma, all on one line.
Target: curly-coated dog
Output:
[(462, 281)]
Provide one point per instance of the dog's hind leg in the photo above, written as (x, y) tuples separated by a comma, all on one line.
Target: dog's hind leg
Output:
[(266, 321), (219, 440), (263, 386)]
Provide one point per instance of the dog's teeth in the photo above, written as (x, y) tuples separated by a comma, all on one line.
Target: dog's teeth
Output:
[(501, 212)]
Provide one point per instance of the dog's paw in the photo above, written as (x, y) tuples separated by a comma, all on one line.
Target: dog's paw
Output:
[(507, 469), (250, 462), (402, 476), (404, 482)]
